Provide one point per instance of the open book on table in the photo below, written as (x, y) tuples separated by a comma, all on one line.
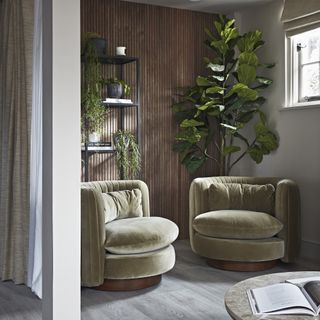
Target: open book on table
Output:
[(294, 296)]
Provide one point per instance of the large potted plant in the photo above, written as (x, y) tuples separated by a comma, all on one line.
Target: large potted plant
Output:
[(127, 151), (223, 103), (92, 109)]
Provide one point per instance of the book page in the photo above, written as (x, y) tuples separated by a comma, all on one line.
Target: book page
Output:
[(278, 297), (313, 290), (302, 281)]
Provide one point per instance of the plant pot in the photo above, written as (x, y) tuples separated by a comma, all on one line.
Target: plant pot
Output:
[(100, 45), (114, 90), (94, 137)]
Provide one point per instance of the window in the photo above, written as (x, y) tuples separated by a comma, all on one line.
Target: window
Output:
[(304, 68)]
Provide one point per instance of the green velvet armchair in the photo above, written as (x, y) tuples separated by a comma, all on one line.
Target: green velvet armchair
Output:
[(122, 247), (244, 223)]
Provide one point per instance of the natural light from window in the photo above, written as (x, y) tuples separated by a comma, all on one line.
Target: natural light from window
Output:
[(304, 67)]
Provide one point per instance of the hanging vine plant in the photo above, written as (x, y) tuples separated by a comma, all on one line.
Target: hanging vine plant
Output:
[(224, 102), (92, 109), (128, 156)]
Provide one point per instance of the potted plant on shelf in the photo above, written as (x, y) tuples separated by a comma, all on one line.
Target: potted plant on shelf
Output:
[(128, 158), (117, 88), (92, 109), (95, 41), (214, 112)]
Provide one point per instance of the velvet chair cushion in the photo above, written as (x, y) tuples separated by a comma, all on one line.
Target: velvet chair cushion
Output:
[(237, 224), (122, 204), (139, 235), (223, 196)]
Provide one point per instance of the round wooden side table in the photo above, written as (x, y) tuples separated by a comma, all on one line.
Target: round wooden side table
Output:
[(237, 303)]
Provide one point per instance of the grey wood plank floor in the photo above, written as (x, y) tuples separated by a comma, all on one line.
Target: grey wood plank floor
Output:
[(190, 291)]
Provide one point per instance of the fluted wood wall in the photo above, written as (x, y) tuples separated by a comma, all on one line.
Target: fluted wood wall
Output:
[(169, 43)]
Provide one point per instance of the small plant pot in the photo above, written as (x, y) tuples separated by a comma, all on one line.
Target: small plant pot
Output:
[(100, 45), (94, 137), (114, 90)]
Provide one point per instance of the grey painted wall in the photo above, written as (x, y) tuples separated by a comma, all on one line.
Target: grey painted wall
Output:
[(298, 156)]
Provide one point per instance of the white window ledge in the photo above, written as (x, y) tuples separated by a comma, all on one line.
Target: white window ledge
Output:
[(302, 106)]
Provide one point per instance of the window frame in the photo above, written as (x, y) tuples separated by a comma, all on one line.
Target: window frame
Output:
[(293, 87)]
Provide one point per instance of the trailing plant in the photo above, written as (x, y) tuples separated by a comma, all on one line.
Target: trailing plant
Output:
[(92, 108), (127, 154), (125, 86), (225, 102)]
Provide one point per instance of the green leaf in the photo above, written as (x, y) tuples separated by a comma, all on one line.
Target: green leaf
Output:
[(181, 146), (190, 123), (254, 104), (216, 111), (267, 65), (245, 117), (256, 154), (230, 34), (268, 141), (218, 26), (219, 78), (266, 137), (258, 45), (220, 45), (243, 91), (216, 67), (203, 82), (215, 89), (249, 58), (193, 163), (190, 135), (263, 80), (246, 73), (263, 117), (237, 104), (203, 107), (249, 40), (230, 23), (230, 149)]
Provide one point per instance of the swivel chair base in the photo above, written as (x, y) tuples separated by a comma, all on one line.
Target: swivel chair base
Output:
[(241, 266), (129, 284)]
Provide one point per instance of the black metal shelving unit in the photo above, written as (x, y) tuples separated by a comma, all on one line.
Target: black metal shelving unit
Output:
[(120, 62)]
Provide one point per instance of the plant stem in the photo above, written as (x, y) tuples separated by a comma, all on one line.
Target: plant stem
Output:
[(206, 154), (229, 157), (222, 157), (241, 156)]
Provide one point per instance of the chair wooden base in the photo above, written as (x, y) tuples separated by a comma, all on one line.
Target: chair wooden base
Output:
[(129, 284), (241, 266)]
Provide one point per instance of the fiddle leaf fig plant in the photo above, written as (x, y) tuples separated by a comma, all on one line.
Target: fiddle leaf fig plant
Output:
[(225, 102)]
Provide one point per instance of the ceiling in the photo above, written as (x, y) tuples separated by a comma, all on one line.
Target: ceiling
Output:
[(213, 6)]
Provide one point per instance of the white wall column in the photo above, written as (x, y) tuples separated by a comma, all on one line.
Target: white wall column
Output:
[(61, 159)]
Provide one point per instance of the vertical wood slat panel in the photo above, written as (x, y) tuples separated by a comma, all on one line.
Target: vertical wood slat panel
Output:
[(169, 43)]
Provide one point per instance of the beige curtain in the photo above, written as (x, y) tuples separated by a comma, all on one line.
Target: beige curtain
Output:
[(16, 40)]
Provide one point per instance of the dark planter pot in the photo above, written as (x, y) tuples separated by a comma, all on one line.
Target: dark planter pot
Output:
[(114, 90), (100, 45)]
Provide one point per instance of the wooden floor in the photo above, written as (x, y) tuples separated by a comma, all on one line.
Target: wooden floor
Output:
[(191, 291)]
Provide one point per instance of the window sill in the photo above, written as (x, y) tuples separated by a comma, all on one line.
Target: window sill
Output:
[(302, 106)]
